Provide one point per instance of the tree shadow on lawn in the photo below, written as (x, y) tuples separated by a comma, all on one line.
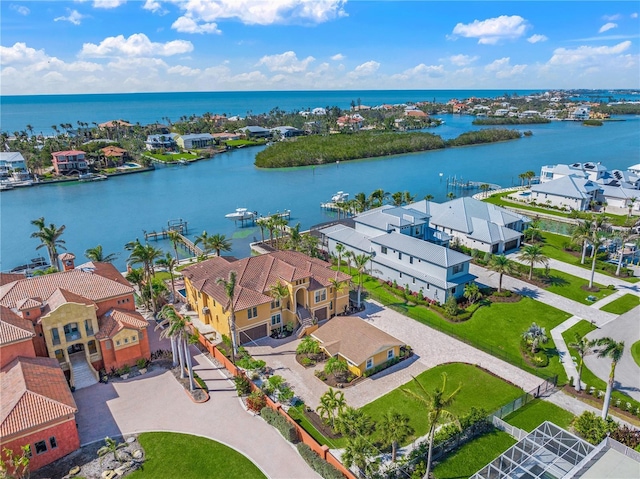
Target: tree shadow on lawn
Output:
[(556, 281), (528, 292)]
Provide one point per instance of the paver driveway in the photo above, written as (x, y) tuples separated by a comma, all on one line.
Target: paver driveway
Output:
[(431, 348)]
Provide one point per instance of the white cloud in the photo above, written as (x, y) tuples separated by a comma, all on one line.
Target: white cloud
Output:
[(586, 54), (492, 30), (154, 6), (260, 12), (21, 9), (462, 60), (420, 70), (537, 38), (365, 69), (338, 57), (502, 68), (20, 53), (285, 62), (607, 26), (74, 17), (634, 15), (189, 25), (137, 45), (107, 4), (184, 71), (611, 18)]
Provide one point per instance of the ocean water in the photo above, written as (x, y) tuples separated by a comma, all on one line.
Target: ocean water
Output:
[(43, 111), (116, 211)]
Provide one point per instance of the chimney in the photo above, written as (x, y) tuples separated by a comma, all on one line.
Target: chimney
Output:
[(67, 261)]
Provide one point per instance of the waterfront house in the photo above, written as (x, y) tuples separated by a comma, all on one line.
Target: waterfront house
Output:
[(352, 122), (360, 344), (255, 132), (312, 295), (71, 162), (115, 124), (13, 164), (195, 141), (589, 170), (220, 138), (115, 155), (283, 132), (568, 192), (580, 113), (161, 142), (73, 314)]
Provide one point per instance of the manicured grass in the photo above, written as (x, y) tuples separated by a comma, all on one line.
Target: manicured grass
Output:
[(635, 352), (570, 287), (163, 275), (622, 304), (538, 411), (582, 327), (171, 455), (298, 416), (479, 389), (496, 328), (237, 143), (169, 158), (474, 455)]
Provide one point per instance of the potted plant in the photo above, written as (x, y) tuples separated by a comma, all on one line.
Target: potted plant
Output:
[(142, 365), (124, 371)]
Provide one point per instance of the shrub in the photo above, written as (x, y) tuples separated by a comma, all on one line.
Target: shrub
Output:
[(243, 385), (285, 394), (322, 467), (306, 362), (200, 382), (593, 428), (142, 363), (380, 367), (256, 401), (275, 419)]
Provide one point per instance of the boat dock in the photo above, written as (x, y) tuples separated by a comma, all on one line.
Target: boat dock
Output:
[(180, 226), (459, 183)]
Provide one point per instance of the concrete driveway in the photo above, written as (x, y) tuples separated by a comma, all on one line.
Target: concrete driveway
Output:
[(431, 348), (156, 402)]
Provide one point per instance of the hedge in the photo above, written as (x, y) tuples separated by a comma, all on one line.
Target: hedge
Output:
[(274, 418), (380, 367), (322, 467)]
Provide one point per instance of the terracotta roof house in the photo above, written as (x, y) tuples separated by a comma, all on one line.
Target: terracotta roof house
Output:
[(38, 410), (72, 315), (313, 295), (69, 162), (16, 336), (115, 124), (360, 344), (115, 154)]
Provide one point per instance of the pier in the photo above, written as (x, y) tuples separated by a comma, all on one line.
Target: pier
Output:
[(455, 183), (179, 226)]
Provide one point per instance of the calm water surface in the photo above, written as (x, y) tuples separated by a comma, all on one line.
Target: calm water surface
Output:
[(116, 211)]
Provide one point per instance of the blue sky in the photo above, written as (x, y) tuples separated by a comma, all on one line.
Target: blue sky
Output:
[(100, 46)]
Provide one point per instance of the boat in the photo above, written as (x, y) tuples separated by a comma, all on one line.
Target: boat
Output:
[(34, 264), (5, 186), (240, 214), (183, 162), (91, 177), (340, 197)]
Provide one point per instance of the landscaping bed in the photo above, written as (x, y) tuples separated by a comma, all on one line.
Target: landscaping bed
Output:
[(614, 409)]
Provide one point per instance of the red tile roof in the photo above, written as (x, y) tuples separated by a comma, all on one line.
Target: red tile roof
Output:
[(256, 274), (13, 328), (62, 296), (28, 303), (34, 393), (113, 151), (91, 285), (6, 278), (68, 153), (115, 320), (66, 256)]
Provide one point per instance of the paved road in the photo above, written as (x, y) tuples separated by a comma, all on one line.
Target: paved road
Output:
[(156, 402)]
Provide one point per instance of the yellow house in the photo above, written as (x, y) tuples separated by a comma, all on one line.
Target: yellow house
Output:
[(315, 293), (360, 344)]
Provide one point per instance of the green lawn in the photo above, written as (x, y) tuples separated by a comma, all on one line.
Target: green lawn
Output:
[(163, 275), (170, 157), (479, 389), (474, 455), (635, 352), (538, 411), (622, 304), (582, 327), (570, 287), (237, 143), (171, 455), (496, 328), (298, 416)]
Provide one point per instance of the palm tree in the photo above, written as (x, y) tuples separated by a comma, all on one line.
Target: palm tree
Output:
[(340, 249), (49, 237), (360, 262), (596, 241), (308, 345), (178, 328), (175, 237), (358, 452), (279, 292), (533, 254), (332, 403), (96, 254), (409, 198), (219, 243), (581, 235), (229, 286), (377, 198), (451, 195), (261, 223), (336, 366), (170, 263), (397, 198), (111, 446), (295, 238), (394, 428), (529, 175), (361, 202), (533, 232), (535, 336), (146, 255), (428, 197), (337, 286), (583, 347), (436, 404), (204, 239), (352, 421), (501, 265), (136, 276), (522, 176), (614, 350), (630, 202), (485, 187), (624, 236), (472, 292)]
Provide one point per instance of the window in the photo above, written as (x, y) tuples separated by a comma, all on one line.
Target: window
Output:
[(41, 446), (55, 336), (53, 442), (321, 295), (331, 306), (252, 312), (126, 340), (399, 255), (369, 363), (275, 304), (71, 332), (88, 327), (28, 313), (390, 354), (59, 355), (141, 335), (383, 249), (92, 347), (275, 319), (457, 268), (107, 344), (118, 342), (134, 339), (413, 280), (411, 259)]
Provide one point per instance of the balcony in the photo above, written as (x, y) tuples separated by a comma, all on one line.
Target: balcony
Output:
[(72, 336)]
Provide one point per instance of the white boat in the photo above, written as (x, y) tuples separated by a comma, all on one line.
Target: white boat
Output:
[(5, 186), (340, 197), (91, 177), (240, 214)]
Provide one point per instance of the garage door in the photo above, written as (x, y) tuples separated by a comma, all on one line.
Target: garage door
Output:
[(320, 314), (252, 334)]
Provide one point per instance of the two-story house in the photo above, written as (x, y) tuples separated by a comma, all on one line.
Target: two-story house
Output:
[(195, 141), (69, 162), (315, 293)]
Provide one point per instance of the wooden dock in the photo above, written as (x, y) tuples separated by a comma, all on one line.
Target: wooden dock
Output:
[(179, 226)]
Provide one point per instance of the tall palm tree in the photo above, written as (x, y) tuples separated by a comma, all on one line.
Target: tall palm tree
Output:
[(436, 403), (340, 249), (337, 286), (428, 197), (361, 202), (175, 237), (397, 198), (279, 291), (219, 243), (146, 255), (533, 254), (581, 235), (409, 198), (583, 347), (295, 238), (357, 452), (332, 403), (529, 175), (177, 327), (96, 254), (596, 241), (352, 421), (613, 350), (378, 197), (394, 428), (229, 286), (501, 265), (630, 202), (49, 237), (624, 236), (170, 263), (204, 240), (360, 262)]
